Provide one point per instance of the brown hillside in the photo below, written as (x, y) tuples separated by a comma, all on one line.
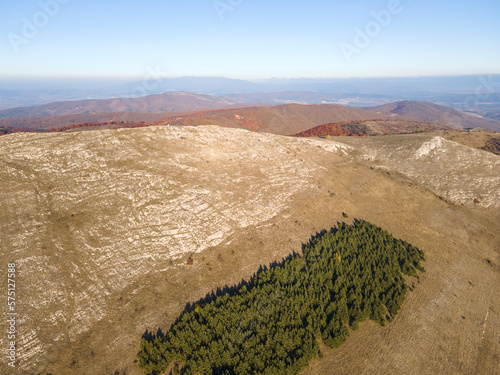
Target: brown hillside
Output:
[(493, 145), (68, 120), (168, 102), (482, 140), (285, 119), (436, 114), (369, 127), (353, 128)]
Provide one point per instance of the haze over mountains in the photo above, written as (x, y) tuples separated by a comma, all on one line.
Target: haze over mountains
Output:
[(464, 92), (154, 97), (185, 108), (176, 101)]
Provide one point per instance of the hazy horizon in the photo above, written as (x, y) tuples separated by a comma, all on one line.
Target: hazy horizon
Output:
[(64, 39), (44, 82)]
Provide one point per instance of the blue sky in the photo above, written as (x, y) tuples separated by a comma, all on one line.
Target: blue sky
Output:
[(248, 39)]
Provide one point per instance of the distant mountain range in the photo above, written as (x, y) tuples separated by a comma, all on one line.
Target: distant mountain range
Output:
[(477, 92), (58, 122), (177, 101), (309, 97), (185, 108)]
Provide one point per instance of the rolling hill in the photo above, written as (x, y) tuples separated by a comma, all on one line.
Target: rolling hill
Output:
[(370, 127), (287, 119), (176, 101), (182, 108), (58, 122), (436, 114)]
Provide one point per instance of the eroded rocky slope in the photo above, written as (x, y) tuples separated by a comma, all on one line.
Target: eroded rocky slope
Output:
[(456, 172), (85, 214), (101, 224)]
